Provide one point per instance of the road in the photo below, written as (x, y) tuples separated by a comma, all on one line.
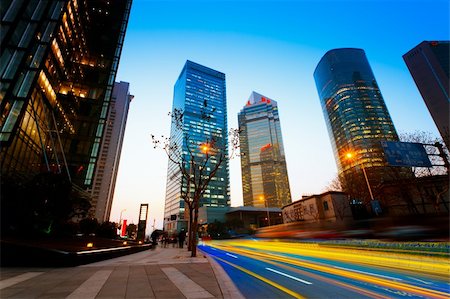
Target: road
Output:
[(268, 269)]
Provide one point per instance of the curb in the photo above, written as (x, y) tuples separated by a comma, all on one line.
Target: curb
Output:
[(226, 285)]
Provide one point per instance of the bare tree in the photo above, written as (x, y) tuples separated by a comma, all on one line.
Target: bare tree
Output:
[(429, 141), (312, 210), (334, 185), (196, 163)]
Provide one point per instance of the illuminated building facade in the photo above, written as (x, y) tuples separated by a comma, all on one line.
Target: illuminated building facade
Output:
[(428, 63), (111, 147), (58, 65), (201, 94), (355, 114), (263, 163)]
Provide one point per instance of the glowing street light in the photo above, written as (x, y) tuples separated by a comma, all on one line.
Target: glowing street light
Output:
[(205, 148)]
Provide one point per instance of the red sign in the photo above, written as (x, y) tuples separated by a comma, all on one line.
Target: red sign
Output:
[(267, 146), (266, 100), (123, 233)]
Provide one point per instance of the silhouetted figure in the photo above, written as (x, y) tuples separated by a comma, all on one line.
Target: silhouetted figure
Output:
[(181, 238), (154, 236), (165, 239), (174, 240)]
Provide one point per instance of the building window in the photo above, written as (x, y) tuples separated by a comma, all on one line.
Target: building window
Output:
[(325, 205)]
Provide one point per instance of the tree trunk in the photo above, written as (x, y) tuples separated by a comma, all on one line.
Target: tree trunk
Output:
[(195, 229), (190, 228)]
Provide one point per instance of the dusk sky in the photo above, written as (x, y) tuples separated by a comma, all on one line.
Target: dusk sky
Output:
[(271, 47)]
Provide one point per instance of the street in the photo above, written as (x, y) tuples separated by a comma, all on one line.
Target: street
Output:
[(268, 269)]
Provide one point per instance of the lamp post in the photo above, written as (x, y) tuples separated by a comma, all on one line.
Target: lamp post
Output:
[(350, 156), (261, 197)]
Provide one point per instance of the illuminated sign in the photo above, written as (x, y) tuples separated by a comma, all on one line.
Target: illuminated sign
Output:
[(267, 146), (265, 100), (405, 154), (123, 233)]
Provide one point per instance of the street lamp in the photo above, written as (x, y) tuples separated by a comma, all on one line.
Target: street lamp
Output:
[(205, 148), (261, 197), (350, 156)]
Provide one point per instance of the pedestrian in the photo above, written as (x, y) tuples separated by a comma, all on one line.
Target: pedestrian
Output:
[(181, 238), (154, 236), (174, 240), (165, 239)]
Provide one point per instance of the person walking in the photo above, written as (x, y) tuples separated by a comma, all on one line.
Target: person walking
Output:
[(181, 238)]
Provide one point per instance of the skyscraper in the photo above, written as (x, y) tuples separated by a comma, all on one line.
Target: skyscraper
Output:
[(355, 113), (263, 163), (428, 63), (111, 147), (200, 94), (58, 65)]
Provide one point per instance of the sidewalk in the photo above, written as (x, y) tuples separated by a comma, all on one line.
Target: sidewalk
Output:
[(159, 273)]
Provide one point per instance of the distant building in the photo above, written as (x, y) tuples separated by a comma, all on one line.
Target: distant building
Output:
[(110, 150), (331, 206), (428, 63), (210, 214), (265, 180), (59, 60), (200, 93), (356, 117), (252, 218)]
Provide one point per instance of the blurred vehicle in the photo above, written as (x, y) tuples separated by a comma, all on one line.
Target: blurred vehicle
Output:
[(405, 232)]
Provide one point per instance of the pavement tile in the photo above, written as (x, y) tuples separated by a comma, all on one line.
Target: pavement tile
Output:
[(136, 276), (116, 285), (138, 284)]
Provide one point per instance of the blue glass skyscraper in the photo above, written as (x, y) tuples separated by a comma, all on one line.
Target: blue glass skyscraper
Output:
[(201, 94), (355, 113)]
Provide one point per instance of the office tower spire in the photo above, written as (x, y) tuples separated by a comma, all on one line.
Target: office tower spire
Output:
[(263, 163)]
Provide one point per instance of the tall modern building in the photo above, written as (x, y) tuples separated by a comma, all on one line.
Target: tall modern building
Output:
[(428, 63), (355, 114), (200, 94), (263, 163), (58, 63), (110, 150)]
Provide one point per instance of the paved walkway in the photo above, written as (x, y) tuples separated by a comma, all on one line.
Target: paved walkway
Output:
[(160, 273)]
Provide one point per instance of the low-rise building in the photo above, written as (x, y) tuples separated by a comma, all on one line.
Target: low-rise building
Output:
[(331, 206)]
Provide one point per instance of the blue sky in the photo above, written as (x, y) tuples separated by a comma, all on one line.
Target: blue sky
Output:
[(271, 47)]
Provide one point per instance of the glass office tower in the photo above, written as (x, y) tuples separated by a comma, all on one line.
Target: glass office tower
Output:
[(355, 113), (106, 172), (428, 63), (263, 163), (201, 94), (58, 65)]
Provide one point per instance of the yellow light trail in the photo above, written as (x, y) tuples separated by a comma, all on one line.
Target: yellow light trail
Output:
[(326, 269), (322, 278), (274, 284), (432, 265)]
